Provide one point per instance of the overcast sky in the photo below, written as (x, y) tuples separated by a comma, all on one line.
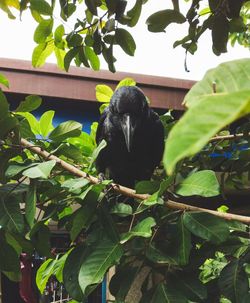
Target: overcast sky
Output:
[(154, 54)]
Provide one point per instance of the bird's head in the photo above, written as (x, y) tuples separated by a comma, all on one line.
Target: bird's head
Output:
[(131, 106)]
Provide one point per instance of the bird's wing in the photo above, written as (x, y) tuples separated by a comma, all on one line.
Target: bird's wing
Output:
[(100, 128), (157, 138)]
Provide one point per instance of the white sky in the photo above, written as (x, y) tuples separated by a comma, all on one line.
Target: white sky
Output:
[(154, 54)]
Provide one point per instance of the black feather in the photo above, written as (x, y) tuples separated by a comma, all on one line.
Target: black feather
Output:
[(146, 142)]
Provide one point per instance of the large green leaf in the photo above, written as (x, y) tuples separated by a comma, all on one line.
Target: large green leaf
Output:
[(126, 82), (30, 204), (209, 112), (142, 229), (127, 274), (11, 217), (103, 93), (43, 30), (70, 273), (81, 219), (34, 124), (66, 130), (40, 238), (29, 104), (41, 52), (41, 6), (202, 121), (47, 269), (202, 183), (104, 255), (233, 281), (167, 294), (158, 21), (206, 226), (41, 170), (228, 77), (45, 123), (4, 106), (182, 245), (92, 57), (9, 260), (125, 40), (134, 13), (4, 80), (189, 285)]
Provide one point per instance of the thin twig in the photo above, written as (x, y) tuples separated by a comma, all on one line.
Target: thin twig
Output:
[(128, 191), (226, 216), (229, 137)]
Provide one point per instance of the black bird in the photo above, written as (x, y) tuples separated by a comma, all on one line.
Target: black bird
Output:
[(134, 136)]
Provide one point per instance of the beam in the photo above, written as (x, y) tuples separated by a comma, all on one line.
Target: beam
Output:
[(79, 83)]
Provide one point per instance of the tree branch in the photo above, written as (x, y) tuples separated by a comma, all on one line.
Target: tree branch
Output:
[(128, 191), (229, 137)]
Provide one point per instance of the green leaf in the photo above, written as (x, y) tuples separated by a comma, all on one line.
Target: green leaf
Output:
[(94, 267), (70, 55), (147, 187), (47, 269), (4, 80), (43, 30), (182, 243), (41, 6), (92, 57), (4, 106), (11, 217), (126, 82), (202, 121), (158, 21), (233, 281), (167, 294), (60, 56), (157, 256), (134, 13), (103, 93), (34, 124), (29, 104), (142, 229), (41, 170), (40, 238), (75, 185), (81, 219), (127, 274), (125, 40), (41, 52), (122, 209), (30, 204), (44, 273), (45, 123), (96, 152), (202, 183), (66, 130), (70, 273), (9, 259), (228, 77), (7, 124), (206, 226), (220, 31)]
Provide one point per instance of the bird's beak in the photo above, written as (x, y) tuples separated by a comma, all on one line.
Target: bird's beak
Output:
[(128, 127)]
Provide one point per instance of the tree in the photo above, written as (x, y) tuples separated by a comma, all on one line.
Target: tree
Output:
[(197, 256), (103, 25)]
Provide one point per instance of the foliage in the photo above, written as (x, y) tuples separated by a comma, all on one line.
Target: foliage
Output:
[(104, 25), (191, 256)]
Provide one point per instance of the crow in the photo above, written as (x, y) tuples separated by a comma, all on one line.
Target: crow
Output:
[(134, 135)]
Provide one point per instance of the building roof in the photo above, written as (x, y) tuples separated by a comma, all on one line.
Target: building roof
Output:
[(79, 83)]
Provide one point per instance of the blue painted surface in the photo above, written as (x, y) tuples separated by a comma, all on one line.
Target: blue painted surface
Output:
[(65, 111)]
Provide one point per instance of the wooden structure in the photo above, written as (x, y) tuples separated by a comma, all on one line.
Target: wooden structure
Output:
[(79, 83)]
